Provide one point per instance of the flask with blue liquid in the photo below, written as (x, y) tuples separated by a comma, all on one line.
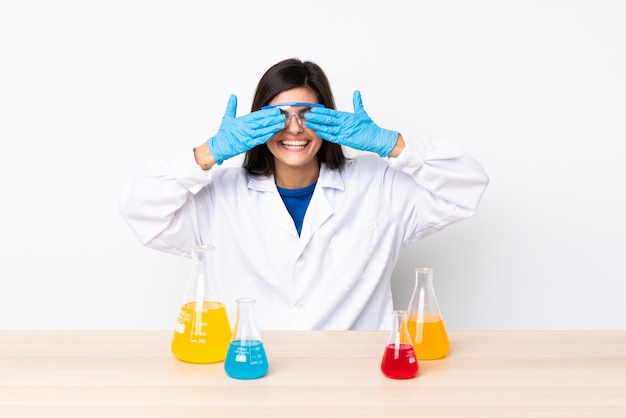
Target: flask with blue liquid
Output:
[(246, 358)]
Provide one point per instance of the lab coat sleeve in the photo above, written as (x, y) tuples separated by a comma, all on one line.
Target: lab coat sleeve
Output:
[(450, 181), (158, 203)]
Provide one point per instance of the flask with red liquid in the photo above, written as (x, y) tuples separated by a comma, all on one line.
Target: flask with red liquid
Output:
[(425, 322), (399, 360)]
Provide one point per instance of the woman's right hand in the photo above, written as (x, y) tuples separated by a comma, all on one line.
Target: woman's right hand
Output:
[(240, 134)]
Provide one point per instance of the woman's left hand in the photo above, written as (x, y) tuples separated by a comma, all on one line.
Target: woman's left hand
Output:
[(355, 130)]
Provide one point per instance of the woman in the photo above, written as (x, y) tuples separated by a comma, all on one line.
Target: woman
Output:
[(312, 235)]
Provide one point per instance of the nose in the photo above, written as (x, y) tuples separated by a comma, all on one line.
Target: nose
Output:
[(293, 123)]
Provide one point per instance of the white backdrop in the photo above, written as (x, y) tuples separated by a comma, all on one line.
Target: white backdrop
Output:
[(535, 90)]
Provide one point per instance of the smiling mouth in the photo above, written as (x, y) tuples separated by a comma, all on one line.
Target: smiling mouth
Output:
[(294, 145)]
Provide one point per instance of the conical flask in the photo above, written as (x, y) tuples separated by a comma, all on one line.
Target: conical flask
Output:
[(246, 358), (425, 322), (202, 331), (399, 360)]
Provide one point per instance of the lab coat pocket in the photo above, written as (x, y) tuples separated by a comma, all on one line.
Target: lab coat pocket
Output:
[(353, 255)]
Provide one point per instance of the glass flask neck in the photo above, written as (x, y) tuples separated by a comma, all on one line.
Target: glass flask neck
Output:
[(399, 331), (201, 256), (424, 277), (202, 285), (245, 308), (423, 301), (245, 324), (397, 318)]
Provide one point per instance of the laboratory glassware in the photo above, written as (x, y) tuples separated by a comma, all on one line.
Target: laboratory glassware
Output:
[(399, 360), (246, 358), (202, 331), (425, 323)]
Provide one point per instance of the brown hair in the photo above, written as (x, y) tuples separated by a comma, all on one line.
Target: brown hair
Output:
[(286, 75)]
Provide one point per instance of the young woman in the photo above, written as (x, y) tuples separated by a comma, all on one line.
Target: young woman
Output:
[(312, 235)]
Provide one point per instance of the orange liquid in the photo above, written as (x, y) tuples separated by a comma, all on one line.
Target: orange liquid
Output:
[(430, 339), (202, 336)]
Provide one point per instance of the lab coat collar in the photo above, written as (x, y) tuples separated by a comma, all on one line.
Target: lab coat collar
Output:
[(328, 178), (319, 210)]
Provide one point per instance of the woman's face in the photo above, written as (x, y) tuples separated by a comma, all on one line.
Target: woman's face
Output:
[(295, 146)]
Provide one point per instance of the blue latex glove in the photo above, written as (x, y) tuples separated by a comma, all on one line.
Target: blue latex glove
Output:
[(240, 134), (355, 130)]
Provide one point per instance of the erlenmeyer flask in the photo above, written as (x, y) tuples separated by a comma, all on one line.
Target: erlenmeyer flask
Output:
[(203, 331), (246, 358), (399, 361), (425, 322)]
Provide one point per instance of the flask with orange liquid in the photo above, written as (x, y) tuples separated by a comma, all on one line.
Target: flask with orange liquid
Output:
[(202, 333), (425, 323)]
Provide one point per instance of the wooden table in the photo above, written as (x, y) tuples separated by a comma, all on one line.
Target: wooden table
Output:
[(90, 374)]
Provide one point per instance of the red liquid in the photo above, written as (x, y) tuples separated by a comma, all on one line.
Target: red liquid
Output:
[(399, 361)]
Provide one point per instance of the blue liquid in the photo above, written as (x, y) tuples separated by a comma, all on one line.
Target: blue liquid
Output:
[(246, 359)]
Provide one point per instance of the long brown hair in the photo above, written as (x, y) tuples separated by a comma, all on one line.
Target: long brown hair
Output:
[(286, 75)]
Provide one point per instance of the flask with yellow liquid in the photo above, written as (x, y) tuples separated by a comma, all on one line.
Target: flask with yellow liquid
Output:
[(425, 323), (203, 332)]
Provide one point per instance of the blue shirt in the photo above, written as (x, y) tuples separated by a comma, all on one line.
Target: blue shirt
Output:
[(297, 201)]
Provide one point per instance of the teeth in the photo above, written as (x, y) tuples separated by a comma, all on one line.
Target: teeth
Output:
[(294, 143)]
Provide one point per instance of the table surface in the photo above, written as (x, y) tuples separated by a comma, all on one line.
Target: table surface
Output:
[(92, 374)]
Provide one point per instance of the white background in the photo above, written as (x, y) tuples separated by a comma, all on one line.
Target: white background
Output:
[(534, 90)]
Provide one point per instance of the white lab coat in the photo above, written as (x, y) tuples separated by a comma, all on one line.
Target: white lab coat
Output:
[(336, 275)]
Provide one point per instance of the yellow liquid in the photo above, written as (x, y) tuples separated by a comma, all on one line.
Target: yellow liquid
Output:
[(430, 339), (202, 336)]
